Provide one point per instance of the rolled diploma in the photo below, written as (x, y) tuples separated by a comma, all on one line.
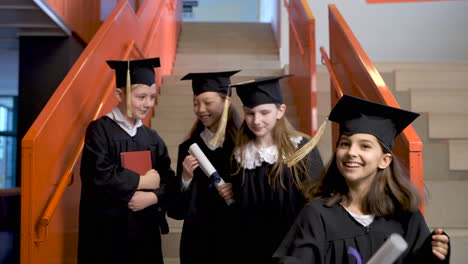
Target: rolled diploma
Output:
[(207, 167), (393, 247)]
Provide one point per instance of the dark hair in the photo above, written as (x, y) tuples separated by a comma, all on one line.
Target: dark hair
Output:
[(390, 192)]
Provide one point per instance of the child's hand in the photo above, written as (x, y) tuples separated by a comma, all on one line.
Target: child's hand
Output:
[(225, 191), (154, 177), (150, 180), (141, 200), (440, 244), (190, 163)]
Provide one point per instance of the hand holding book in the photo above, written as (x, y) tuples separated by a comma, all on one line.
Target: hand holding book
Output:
[(140, 162)]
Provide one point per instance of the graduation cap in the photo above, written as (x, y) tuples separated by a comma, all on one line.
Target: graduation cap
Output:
[(356, 115), (210, 82), (219, 82), (260, 91), (133, 72)]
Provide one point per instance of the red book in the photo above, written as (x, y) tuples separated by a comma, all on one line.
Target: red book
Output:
[(137, 161)]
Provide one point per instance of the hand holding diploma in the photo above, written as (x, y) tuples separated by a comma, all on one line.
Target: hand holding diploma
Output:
[(211, 172)]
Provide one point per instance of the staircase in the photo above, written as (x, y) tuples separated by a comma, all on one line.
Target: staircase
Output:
[(207, 47), (439, 92)]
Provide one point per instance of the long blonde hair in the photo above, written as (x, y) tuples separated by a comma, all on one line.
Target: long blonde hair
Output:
[(282, 133)]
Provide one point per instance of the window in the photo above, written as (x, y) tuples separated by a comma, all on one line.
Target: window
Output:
[(8, 141)]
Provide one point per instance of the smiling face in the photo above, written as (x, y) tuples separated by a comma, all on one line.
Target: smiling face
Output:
[(358, 158), (261, 119), (142, 97), (208, 108)]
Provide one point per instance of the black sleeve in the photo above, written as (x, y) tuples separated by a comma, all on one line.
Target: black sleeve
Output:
[(179, 205), (304, 241), (163, 167), (99, 170), (419, 240)]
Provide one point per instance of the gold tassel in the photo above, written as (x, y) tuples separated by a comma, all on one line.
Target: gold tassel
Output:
[(218, 138), (128, 92), (308, 147)]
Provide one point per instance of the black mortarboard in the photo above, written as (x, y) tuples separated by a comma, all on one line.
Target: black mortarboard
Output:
[(260, 91), (356, 115), (141, 71), (210, 82), (133, 72)]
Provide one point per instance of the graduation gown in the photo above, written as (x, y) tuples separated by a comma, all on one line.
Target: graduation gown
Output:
[(266, 214), (324, 234), (208, 223), (109, 232)]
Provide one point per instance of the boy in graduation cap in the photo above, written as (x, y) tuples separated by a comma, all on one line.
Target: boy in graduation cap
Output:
[(122, 212), (363, 197), (202, 206), (267, 192)]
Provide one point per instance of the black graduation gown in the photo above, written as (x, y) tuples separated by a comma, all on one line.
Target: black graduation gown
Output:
[(206, 232), (109, 232), (324, 234), (266, 214)]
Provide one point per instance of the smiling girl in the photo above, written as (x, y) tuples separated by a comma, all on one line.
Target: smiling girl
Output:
[(198, 203), (267, 193), (363, 197)]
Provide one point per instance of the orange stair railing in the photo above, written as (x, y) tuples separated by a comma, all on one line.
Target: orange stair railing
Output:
[(302, 63), (51, 148), (352, 72)]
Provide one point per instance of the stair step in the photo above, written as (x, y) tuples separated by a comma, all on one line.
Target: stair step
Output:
[(173, 260), (458, 155), (227, 50), (323, 81), (432, 80), (207, 58), (439, 101), (448, 125), (170, 245), (246, 72), (421, 66), (444, 201), (173, 81), (219, 64)]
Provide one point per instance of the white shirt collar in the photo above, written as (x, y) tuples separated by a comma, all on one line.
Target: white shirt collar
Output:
[(117, 116), (207, 135), (364, 220), (254, 157)]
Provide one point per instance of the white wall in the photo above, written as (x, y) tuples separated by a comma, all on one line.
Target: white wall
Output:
[(9, 72), (274, 12), (225, 11), (284, 25), (410, 32), (267, 10)]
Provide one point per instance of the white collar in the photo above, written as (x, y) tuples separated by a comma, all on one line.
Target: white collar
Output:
[(117, 116), (207, 135), (254, 157)]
